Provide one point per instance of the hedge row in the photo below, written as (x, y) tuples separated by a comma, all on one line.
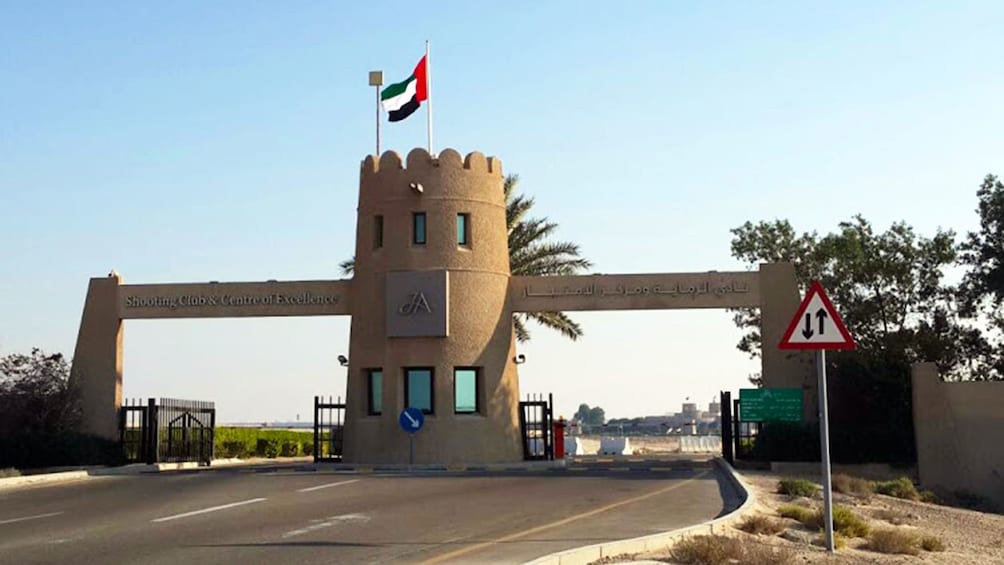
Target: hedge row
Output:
[(256, 442)]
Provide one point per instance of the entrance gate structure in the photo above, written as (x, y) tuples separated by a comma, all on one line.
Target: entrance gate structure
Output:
[(432, 301), (171, 430)]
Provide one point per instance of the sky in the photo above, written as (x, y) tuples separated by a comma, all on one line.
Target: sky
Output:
[(192, 141)]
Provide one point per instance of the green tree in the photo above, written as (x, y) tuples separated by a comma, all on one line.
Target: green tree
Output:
[(594, 416), (36, 395), (982, 296), (888, 288), (531, 253), (582, 414)]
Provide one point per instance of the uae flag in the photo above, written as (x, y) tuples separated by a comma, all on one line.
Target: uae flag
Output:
[(401, 99)]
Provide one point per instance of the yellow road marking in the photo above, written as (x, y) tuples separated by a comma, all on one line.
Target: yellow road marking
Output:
[(562, 522), (604, 460), (577, 468), (660, 468)]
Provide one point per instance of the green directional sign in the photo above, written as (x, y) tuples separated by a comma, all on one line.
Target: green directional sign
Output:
[(770, 404)]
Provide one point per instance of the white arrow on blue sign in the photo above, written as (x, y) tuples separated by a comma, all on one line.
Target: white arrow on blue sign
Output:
[(411, 419)]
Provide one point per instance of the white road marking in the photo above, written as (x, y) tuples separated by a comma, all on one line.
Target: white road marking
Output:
[(205, 510), (327, 523), (311, 489), (26, 518)]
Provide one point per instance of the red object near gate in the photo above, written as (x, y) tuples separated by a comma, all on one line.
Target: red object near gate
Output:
[(559, 439)]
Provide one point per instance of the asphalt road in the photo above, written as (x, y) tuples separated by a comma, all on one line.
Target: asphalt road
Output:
[(292, 514)]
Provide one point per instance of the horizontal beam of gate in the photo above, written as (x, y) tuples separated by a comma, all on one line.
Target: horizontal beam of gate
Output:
[(234, 299), (740, 289)]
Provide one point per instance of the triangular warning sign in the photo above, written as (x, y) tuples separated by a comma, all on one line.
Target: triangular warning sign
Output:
[(817, 325)]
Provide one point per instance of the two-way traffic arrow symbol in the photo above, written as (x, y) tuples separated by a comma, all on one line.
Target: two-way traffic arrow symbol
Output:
[(820, 315)]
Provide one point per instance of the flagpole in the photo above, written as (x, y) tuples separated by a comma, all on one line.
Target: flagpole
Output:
[(376, 81), (428, 94)]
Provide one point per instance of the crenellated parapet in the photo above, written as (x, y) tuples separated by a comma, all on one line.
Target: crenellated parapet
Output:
[(448, 175)]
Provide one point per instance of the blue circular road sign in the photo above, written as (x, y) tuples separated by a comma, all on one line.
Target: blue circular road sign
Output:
[(411, 419)]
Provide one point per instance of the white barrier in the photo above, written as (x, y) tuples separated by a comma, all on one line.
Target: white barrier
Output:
[(700, 444), (615, 446), (573, 446)]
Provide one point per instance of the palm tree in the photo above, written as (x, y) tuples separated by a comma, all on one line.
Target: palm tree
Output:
[(531, 255)]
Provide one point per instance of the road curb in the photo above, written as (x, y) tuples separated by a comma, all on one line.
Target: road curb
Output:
[(28, 480), (306, 465), (134, 469), (661, 541)]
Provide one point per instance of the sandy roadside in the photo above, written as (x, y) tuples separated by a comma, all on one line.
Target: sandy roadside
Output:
[(970, 537)]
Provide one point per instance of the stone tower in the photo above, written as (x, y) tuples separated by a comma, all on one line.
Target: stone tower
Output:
[(429, 299)]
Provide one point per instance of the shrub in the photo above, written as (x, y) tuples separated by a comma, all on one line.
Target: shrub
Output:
[(9, 472), (891, 540), (759, 524), (234, 449), (267, 448), (899, 488), (839, 541), (929, 497), (799, 513), (308, 448), (846, 484), (707, 550), (844, 521), (716, 550), (932, 543), (249, 437), (797, 487), (290, 449), (762, 554)]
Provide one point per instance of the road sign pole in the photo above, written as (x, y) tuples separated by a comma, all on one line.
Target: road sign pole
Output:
[(411, 449), (824, 447)]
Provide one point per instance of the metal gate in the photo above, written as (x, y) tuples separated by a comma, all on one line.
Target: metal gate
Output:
[(536, 424), (329, 429), (738, 437), (172, 430)]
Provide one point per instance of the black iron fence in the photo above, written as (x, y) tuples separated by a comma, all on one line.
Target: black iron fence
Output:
[(536, 424), (171, 430), (329, 429)]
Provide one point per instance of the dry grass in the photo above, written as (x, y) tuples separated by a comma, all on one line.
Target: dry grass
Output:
[(844, 521), (717, 550), (894, 517), (856, 486), (761, 525), (899, 488), (797, 487), (9, 472), (932, 543), (707, 550), (799, 513), (891, 540), (839, 541), (762, 554)]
